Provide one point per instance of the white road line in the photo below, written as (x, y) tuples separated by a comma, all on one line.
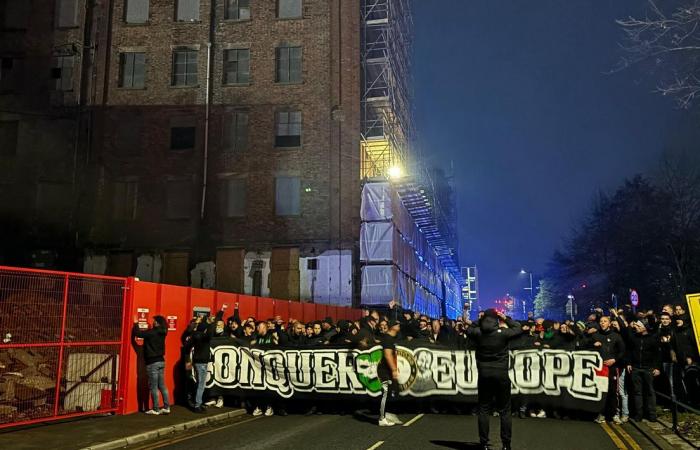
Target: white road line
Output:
[(413, 420), (376, 445)]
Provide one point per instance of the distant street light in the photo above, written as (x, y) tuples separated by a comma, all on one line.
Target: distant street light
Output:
[(523, 272)]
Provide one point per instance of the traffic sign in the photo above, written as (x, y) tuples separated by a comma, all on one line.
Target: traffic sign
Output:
[(634, 297)]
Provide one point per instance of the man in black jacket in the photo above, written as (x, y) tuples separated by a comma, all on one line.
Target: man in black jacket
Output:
[(201, 353), (492, 336), (644, 365), (154, 354)]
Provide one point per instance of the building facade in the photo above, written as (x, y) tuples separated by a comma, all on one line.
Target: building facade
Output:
[(215, 143)]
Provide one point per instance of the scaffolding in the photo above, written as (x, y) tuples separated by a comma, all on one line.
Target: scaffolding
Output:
[(387, 126)]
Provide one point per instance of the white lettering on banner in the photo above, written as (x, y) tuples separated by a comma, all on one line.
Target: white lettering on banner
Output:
[(424, 371)]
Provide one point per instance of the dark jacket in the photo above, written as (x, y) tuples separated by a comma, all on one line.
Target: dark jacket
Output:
[(684, 343), (563, 341), (153, 341), (665, 343), (525, 341), (201, 340), (492, 342), (643, 351), (611, 345)]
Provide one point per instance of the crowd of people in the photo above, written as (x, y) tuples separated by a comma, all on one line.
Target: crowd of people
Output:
[(644, 351)]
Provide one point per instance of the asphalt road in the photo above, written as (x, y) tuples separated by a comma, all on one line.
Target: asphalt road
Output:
[(429, 431)]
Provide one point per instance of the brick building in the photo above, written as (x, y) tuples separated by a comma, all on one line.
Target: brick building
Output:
[(168, 137)]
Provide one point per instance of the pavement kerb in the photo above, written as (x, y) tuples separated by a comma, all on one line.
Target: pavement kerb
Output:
[(153, 434), (658, 440)]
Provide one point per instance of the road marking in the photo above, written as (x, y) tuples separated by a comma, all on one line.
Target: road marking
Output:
[(377, 445), (618, 442), (630, 440), (413, 420), (192, 436)]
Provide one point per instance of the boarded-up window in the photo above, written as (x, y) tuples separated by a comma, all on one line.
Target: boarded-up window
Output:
[(9, 137), (53, 200), (288, 129), (233, 199), (185, 67), (132, 72), (287, 193), (66, 13), (288, 9), (187, 10), (62, 73), (179, 199), (182, 138), (15, 14), (136, 11), (236, 131), (237, 66), (237, 10), (128, 133), (125, 198), (288, 64), (10, 73)]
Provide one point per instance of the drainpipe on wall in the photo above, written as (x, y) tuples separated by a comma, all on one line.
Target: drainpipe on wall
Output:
[(206, 133)]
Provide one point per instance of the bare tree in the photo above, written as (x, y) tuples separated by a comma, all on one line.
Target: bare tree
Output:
[(679, 177), (667, 40)]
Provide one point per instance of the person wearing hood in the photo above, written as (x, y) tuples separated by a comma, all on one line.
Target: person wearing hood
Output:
[(201, 352), (668, 355), (154, 354), (492, 337), (297, 335), (328, 328), (687, 354)]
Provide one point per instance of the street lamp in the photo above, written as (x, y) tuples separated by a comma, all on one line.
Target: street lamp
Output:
[(523, 272)]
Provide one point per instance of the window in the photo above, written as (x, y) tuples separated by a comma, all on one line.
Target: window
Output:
[(233, 196), (185, 67), (136, 11), (15, 14), (237, 10), (128, 135), (312, 264), (236, 66), (133, 68), (9, 73), (66, 13), (8, 137), (236, 131), (62, 72), (288, 64), (53, 200), (124, 200), (288, 9), (287, 193), (187, 11), (182, 138), (178, 199), (288, 133)]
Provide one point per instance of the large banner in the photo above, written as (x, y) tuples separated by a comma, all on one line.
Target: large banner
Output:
[(568, 380)]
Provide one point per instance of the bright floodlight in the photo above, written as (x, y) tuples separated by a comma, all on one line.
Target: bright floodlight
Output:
[(522, 271), (394, 172)]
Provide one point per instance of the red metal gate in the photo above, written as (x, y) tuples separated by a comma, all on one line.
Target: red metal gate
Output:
[(61, 344)]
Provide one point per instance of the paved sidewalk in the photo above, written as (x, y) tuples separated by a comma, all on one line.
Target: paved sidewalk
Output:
[(107, 432)]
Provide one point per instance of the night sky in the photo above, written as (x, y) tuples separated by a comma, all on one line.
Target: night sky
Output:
[(518, 96)]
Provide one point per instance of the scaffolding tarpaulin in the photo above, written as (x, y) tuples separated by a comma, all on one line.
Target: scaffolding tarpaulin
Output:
[(376, 202), (377, 284), (416, 277), (376, 241)]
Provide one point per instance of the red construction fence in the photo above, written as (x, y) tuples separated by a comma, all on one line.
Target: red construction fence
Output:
[(65, 339)]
